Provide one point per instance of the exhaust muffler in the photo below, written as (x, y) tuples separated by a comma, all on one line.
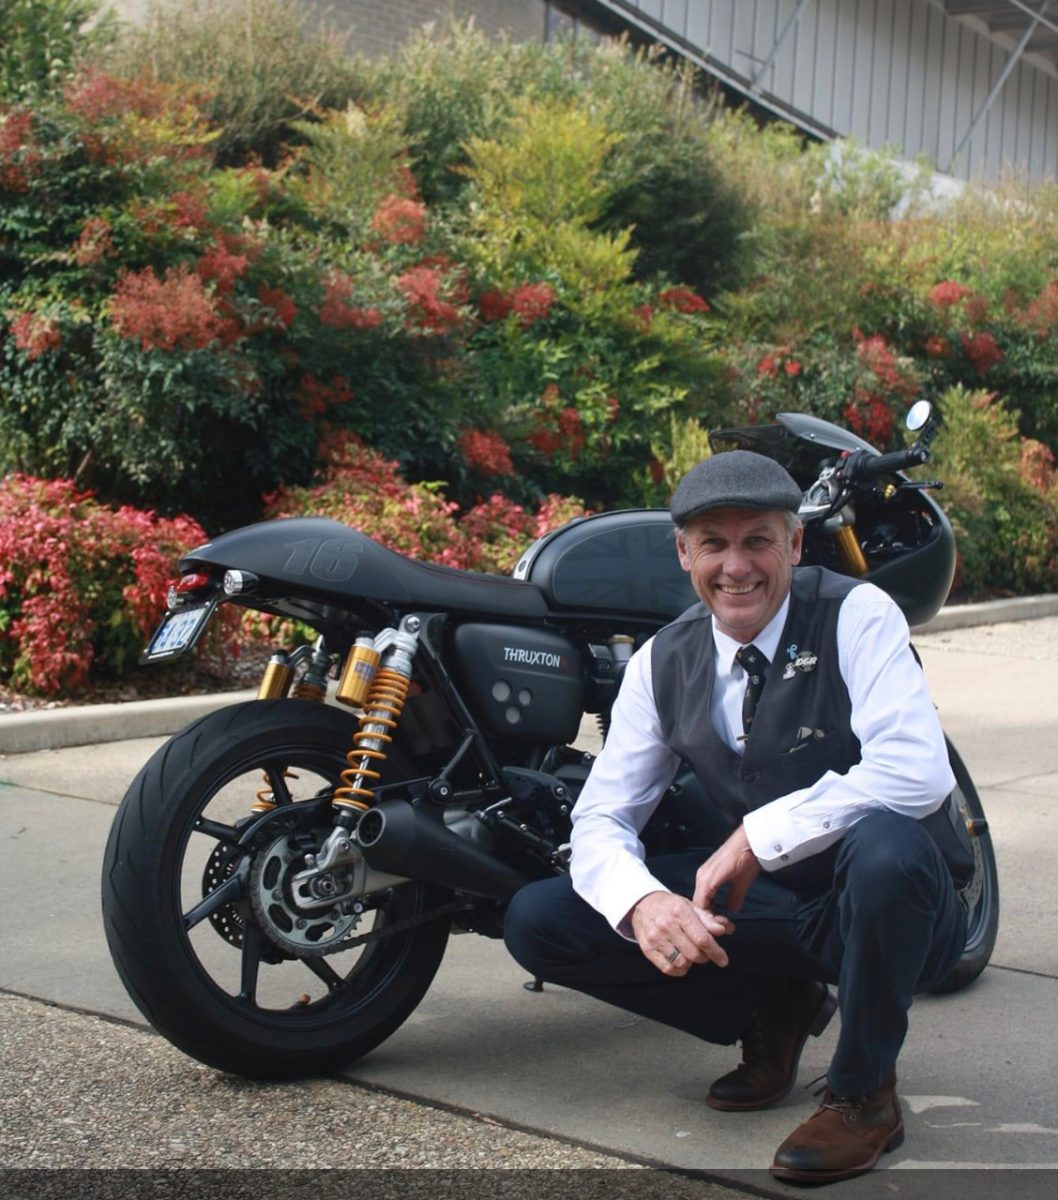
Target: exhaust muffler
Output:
[(401, 839)]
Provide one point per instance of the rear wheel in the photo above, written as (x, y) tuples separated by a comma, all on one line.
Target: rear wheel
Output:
[(204, 928), (981, 894)]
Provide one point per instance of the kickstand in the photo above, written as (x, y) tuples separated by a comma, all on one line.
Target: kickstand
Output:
[(536, 984)]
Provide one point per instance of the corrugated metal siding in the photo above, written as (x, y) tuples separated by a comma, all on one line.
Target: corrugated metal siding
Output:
[(886, 72)]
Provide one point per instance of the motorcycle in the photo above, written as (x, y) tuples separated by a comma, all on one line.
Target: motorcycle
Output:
[(283, 875)]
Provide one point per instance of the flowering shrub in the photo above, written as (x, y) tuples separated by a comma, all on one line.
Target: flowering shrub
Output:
[(361, 488), (515, 271), (999, 492), (82, 586)]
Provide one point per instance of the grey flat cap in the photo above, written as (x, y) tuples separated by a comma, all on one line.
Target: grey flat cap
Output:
[(734, 479)]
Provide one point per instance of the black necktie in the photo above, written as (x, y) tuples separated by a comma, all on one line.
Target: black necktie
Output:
[(750, 659)]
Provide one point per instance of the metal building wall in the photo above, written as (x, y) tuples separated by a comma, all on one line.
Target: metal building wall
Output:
[(899, 73)]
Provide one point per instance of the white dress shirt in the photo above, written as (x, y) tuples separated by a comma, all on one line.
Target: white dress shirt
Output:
[(903, 765)]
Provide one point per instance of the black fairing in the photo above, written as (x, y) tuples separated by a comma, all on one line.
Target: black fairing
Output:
[(907, 539), (316, 557)]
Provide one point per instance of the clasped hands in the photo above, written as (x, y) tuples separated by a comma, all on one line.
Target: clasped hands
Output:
[(675, 933)]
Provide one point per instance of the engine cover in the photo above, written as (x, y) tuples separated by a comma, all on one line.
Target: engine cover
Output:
[(523, 683)]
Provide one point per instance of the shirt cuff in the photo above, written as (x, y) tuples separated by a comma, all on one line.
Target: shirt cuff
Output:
[(778, 840)]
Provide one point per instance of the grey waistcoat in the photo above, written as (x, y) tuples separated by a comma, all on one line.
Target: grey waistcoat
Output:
[(802, 727)]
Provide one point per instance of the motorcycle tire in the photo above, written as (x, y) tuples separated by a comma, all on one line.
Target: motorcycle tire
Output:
[(219, 988), (981, 895)]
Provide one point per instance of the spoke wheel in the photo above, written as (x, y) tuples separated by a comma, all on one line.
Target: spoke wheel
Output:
[(981, 894), (203, 931)]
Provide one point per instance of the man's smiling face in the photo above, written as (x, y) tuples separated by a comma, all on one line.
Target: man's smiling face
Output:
[(741, 562)]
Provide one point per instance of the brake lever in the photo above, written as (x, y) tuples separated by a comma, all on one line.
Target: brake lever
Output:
[(921, 484)]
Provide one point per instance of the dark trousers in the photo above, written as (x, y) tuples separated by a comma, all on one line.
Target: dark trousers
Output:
[(888, 924)]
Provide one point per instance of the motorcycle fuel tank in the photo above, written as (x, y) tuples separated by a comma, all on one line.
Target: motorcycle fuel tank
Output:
[(522, 683), (622, 563)]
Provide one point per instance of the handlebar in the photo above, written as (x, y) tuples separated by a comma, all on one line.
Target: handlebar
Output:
[(862, 465)]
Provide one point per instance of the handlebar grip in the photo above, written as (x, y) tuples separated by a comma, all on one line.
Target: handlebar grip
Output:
[(871, 466)]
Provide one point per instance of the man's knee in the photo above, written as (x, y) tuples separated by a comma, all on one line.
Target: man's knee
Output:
[(888, 855), (548, 925)]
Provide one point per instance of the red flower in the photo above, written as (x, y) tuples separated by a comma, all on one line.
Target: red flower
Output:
[(547, 441), (427, 309), (279, 302), (336, 311), (981, 350), (561, 430), (876, 357), (532, 302), (485, 451), (221, 265), (315, 397), (171, 313), (18, 158), (34, 334), (937, 346), (189, 210), (767, 367), (947, 293), (792, 367), (683, 300), (495, 305), (399, 221), (1042, 314), (870, 417)]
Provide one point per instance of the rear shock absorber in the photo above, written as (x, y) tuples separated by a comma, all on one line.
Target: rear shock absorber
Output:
[(381, 715), (275, 685)]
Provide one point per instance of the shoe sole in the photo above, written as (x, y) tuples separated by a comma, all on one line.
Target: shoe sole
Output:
[(797, 1175), (827, 1007)]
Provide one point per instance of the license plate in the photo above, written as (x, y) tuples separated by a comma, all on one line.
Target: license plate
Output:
[(178, 632)]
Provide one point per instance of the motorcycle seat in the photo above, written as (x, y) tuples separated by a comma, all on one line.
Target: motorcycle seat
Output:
[(320, 557)]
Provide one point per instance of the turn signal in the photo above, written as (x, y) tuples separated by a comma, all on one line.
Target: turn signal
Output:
[(236, 583)]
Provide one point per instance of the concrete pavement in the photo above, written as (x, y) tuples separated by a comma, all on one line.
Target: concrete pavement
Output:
[(977, 1074)]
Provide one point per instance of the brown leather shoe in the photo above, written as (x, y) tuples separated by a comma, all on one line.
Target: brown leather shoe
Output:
[(771, 1046), (845, 1136)]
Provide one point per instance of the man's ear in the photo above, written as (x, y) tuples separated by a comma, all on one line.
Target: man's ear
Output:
[(681, 551), (797, 544)]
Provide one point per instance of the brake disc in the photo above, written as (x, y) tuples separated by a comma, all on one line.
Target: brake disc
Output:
[(226, 920)]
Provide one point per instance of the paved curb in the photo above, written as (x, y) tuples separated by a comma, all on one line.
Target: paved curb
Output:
[(991, 612), (56, 728)]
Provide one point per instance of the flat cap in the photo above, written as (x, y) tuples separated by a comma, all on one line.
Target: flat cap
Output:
[(734, 479)]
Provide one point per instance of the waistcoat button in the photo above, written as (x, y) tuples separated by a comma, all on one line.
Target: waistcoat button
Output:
[(748, 776)]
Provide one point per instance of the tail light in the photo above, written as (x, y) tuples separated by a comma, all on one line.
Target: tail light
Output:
[(185, 587)]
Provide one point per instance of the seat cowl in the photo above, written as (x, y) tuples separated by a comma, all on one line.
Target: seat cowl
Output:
[(318, 555)]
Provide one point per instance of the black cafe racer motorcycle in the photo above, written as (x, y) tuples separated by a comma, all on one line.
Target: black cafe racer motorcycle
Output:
[(282, 876)]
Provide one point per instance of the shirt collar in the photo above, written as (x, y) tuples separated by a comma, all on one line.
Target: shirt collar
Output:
[(767, 641)]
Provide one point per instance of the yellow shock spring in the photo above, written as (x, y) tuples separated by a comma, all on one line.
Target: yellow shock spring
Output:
[(382, 711), (303, 690)]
